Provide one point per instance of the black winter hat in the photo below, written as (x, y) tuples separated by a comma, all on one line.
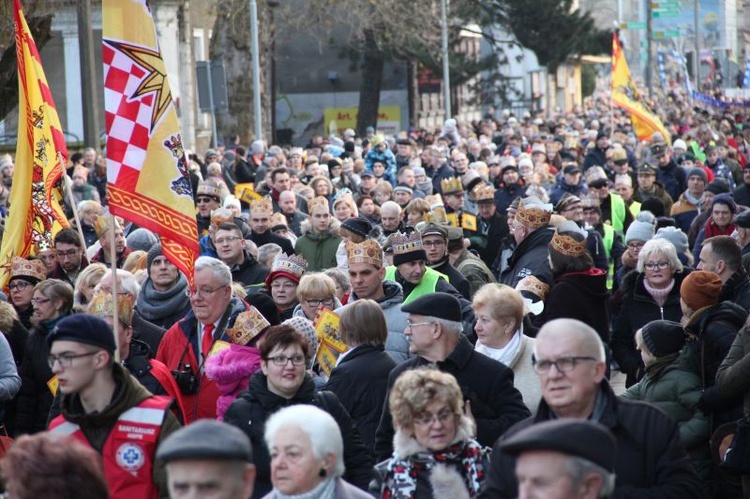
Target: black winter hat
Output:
[(265, 305), (83, 328), (358, 225), (151, 256), (663, 337)]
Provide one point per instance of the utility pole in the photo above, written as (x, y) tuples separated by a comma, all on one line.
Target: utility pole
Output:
[(89, 96), (446, 62), (649, 39), (697, 58), (254, 50)]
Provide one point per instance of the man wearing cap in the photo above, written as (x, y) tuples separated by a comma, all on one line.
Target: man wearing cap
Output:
[(105, 408), (207, 198), (671, 176), (723, 256), (570, 361), (508, 184), (649, 187), (570, 181), (597, 155), (163, 299), (367, 183), (468, 265), (532, 234), (564, 458), (186, 345), (288, 208), (435, 338), (691, 202), (492, 226), (367, 275), (231, 249), (70, 258), (103, 226), (260, 225), (456, 210), (208, 458), (614, 211), (435, 244), (404, 152)]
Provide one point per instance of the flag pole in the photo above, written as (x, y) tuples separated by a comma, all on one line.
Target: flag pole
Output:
[(71, 199), (113, 265)]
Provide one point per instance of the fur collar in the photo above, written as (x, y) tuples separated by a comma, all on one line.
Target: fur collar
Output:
[(404, 444)]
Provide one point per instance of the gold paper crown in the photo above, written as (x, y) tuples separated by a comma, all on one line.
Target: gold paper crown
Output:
[(534, 286), (103, 224), (208, 189), (484, 192), (220, 216), (318, 204), (278, 220), (101, 306), (44, 245), (260, 206), (567, 246), (451, 185), (533, 217), (435, 201), (20, 267), (406, 243), (248, 325), (294, 265), (368, 251)]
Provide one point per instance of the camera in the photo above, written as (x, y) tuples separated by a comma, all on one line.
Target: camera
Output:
[(187, 382)]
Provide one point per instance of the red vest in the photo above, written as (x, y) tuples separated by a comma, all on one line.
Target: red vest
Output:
[(128, 453)]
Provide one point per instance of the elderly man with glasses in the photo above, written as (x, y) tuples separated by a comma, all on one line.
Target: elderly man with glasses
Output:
[(570, 362), (186, 345)]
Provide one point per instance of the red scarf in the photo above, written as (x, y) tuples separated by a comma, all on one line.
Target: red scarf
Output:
[(711, 229)]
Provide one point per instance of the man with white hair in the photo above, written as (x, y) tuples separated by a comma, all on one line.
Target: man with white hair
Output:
[(570, 362), (391, 219), (434, 331)]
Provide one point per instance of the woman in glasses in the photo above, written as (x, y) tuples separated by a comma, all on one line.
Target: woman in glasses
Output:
[(24, 274), (434, 451), (651, 292), (52, 300), (315, 292), (283, 381)]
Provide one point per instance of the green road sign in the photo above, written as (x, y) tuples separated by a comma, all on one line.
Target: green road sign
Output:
[(667, 5), (633, 25), (670, 33), (662, 14)]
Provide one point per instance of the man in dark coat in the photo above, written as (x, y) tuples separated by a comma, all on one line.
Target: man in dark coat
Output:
[(434, 332), (671, 176), (570, 361), (70, 257), (741, 194), (532, 235), (723, 256), (163, 299), (597, 155), (230, 248), (509, 186), (260, 224), (492, 226)]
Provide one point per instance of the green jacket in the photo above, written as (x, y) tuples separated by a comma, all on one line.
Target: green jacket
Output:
[(319, 249), (474, 270)]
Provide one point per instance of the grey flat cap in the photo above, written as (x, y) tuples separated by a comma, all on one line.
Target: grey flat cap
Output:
[(206, 439)]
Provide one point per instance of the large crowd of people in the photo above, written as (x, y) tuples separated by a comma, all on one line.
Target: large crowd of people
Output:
[(489, 279)]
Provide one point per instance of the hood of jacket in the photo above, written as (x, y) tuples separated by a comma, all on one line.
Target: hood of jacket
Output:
[(332, 231), (725, 311), (394, 294)]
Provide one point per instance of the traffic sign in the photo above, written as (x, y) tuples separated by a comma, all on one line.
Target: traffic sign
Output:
[(633, 25), (661, 14), (666, 5), (670, 33)]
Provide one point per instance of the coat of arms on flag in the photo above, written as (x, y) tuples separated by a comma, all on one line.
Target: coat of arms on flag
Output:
[(147, 176)]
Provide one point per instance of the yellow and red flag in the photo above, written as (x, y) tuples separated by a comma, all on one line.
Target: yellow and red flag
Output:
[(36, 198), (147, 176), (625, 95)]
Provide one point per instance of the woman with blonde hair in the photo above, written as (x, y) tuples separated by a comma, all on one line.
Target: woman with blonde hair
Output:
[(382, 192), (418, 210), (499, 312), (315, 292), (434, 450)]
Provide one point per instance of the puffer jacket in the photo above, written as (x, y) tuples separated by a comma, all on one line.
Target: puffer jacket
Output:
[(318, 248), (638, 309), (253, 407), (530, 258)]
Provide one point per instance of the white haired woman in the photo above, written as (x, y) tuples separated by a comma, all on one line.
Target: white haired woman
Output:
[(434, 451), (307, 455)]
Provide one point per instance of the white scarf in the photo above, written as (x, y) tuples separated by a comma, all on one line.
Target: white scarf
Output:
[(505, 354)]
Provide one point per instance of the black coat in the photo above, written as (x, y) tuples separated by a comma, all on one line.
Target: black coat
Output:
[(530, 258), (253, 407), (638, 309), (488, 384), (455, 278), (250, 273), (737, 289), (494, 231), (651, 462), (360, 381)]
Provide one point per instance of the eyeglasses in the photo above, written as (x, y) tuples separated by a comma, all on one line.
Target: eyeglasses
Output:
[(412, 325), (427, 419), (203, 293), (68, 254), (227, 240), (203, 200), (66, 360), (40, 301), (18, 286), (654, 266), (635, 245), (328, 302), (281, 360), (563, 364), (433, 244)]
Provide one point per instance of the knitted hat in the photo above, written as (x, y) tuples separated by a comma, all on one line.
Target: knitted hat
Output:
[(141, 239), (700, 289), (698, 172), (639, 230), (718, 186), (675, 236), (357, 225), (663, 337), (679, 144), (83, 328), (155, 251), (655, 206), (725, 199), (305, 328)]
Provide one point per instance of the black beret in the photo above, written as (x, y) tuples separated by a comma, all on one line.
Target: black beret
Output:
[(575, 437), (439, 305), (83, 328), (743, 219), (206, 439)]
